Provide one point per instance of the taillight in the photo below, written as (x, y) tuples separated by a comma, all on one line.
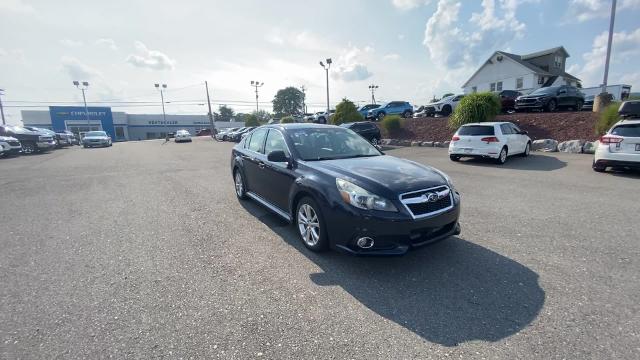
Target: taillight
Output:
[(455, 138), (490, 139), (611, 139)]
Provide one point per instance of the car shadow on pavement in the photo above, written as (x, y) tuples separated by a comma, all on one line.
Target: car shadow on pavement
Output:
[(532, 162), (448, 293)]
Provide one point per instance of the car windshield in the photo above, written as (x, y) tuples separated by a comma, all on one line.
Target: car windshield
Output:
[(330, 144), (476, 130), (182, 132), (96, 133), (546, 90)]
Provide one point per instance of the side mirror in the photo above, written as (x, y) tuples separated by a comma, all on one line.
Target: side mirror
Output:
[(524, 132), (277, 156), (560, 92)]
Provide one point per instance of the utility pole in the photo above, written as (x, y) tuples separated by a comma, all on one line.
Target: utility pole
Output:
[(326, 69), (373, 88), (211, 121), (603, 98), (85, 86), (1, 109), (256, 84), (164, 115), (304, 97)]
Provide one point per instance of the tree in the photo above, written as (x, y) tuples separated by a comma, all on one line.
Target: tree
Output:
[(288, 101), (287, 120), (263, 116), (346, 111), (226, 113), (251, 120), (478, 107)]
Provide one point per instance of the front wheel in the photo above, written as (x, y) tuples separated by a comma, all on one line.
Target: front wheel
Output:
[(238, 180), (381, 116), (551, 105), (446, 110), (28, 148), (311, 226), (579, 105), (375, 141), (527, 150), (502, 158)]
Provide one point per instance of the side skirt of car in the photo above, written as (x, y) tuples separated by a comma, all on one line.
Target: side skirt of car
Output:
[(268, 205)]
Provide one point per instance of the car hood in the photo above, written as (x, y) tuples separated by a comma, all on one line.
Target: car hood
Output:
[(380, 173)]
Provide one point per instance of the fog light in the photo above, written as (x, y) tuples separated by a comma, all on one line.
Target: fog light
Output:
[(365, 242)]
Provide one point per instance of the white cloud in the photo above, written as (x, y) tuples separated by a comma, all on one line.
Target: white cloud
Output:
[(392, 56), (400, 36), (625, 48), (349, 66), (77, 70), (17, 6), (110, 43), (408, 4), (71, 43), (585, 10), (12, 55), (150, 59)]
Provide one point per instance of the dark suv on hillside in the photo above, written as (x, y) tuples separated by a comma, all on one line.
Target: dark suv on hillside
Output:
[(551, 98), (341, 192), (366, 129)]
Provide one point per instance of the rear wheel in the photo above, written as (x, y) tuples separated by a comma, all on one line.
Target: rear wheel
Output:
[(310, 225), (454, 157), (502, 158), (598, 168), (28, 148), (406, 114), (381, 116)]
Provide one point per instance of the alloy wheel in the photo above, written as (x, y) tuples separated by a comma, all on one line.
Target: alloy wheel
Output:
[(503, 156), (374, 141), (308, 225), (239, 185)]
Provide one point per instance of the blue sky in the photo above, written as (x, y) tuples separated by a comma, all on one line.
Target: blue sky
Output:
[(412, 49)]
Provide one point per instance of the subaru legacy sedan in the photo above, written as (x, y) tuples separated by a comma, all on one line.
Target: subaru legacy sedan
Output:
[(341, 192)]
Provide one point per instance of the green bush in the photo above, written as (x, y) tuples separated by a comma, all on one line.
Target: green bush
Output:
[(251, 120), (478, 107), (287, 120), (392, 124), (346, 112), (608, 117)]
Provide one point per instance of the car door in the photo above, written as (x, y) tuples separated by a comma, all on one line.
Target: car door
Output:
[(512, 142), (521, 138), (253, 159), (277, 177), (393, 108), (564, 99)]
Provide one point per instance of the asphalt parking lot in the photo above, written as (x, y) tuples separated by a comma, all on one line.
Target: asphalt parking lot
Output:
[(142, 250)]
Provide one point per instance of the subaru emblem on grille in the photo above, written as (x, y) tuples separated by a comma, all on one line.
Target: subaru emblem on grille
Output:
[(430, 197)]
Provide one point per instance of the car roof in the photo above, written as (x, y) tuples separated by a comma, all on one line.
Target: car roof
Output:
[(299, 126), (493, 123)]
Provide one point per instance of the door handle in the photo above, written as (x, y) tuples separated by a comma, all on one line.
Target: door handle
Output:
[(261, 165)]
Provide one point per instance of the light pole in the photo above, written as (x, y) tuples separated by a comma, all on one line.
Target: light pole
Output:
[(326, 69), (256, 84), (603, 99), (84, 86), (164, 116), (1, 109), (373, 89)]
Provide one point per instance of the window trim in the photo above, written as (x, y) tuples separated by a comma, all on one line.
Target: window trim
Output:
[(263, 141)]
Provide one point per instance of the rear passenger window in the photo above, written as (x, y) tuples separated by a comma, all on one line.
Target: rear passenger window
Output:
[(506, 129), (256, 143), (476, 130)]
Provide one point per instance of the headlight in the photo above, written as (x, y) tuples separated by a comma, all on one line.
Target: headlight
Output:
[(361, 198)]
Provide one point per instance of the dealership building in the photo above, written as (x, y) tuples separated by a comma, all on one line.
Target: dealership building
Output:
[(119, 125)]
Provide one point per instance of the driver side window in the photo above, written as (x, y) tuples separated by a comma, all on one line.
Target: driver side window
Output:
[(275, 142)]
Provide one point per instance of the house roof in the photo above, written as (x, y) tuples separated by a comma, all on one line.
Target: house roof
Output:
[(522, 61), (545, 52)]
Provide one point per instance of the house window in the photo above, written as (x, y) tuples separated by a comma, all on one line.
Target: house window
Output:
[(151, 135), (540, 79), (558, 61), (499, 86), (474, 89), (519, 83), (492, 87)]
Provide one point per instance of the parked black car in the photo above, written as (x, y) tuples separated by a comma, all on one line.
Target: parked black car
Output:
[(341, 192), (236, 136), (508, 100), (32, 141), (551, 98), (61, 138), (588, 103), (366, 129)]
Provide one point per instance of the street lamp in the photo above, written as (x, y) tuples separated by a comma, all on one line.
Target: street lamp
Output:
[(164, 115), (373, 89), (84, 86), (326, 69), (256, 84)]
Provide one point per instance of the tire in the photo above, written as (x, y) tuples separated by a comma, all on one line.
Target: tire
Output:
[(597, 168), (375, 141), (502, 158), (406, 114), (225, 138), (578, 105), (313, 237), (455, 158), (527, 150), (238, 181), (446, 110), (552, 105), (380, 116), (28, 148)]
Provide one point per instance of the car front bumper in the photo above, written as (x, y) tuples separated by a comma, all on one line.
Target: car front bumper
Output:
[(97, 143), (46, 145), (393, 234)]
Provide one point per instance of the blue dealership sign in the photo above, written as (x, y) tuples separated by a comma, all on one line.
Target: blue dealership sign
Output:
[(61, 116)]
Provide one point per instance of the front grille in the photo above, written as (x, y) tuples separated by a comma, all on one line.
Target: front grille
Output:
[(527, 101), (417, 204)]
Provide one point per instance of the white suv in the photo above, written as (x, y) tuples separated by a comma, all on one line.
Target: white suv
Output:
[(446, 105), (620, 146), (496, 140)]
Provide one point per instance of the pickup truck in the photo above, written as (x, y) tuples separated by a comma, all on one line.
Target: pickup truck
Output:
[(32, 141)]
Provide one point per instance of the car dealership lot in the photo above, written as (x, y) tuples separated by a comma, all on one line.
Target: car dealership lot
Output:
[(142, 250)]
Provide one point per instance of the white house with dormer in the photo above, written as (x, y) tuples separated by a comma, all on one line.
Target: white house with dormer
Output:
[(524, 73)]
